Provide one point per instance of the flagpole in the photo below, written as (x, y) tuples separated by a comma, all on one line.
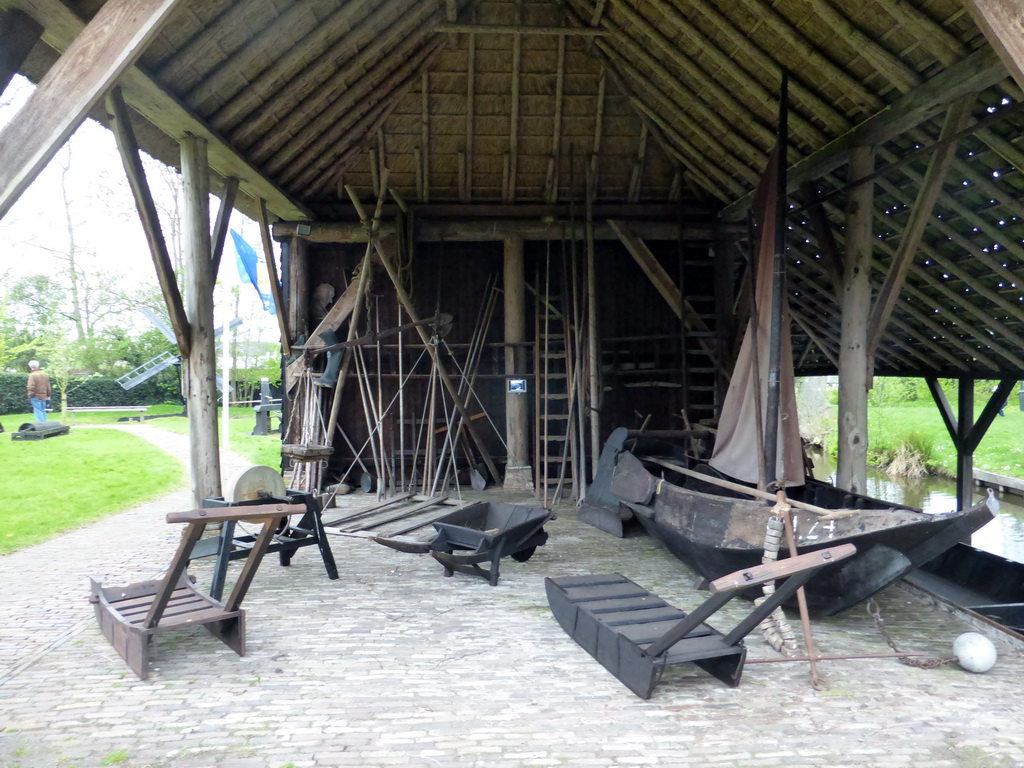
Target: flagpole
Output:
[(225, 364)]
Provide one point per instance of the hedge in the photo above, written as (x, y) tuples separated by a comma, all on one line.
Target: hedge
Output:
[(85, 391)]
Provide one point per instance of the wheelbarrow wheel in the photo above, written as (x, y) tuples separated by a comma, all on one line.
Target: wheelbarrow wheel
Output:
[(523, 554)]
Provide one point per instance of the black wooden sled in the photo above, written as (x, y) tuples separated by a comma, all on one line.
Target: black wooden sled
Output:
[(130, 616), (635, 634), (482, 532)]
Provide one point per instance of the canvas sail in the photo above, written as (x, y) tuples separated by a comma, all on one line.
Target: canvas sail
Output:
[(740, 439)]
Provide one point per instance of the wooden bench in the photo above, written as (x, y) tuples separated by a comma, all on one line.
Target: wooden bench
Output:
[(635, 634), (131, 616), (139, 409)]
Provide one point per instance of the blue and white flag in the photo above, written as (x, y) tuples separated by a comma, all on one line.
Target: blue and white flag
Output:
[(252, 268)]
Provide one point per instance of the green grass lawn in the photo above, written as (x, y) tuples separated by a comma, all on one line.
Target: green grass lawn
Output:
[(1001, 450), (49, 486), (109, 470)]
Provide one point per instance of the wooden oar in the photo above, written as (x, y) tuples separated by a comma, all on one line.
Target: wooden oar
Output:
[(833, 514)]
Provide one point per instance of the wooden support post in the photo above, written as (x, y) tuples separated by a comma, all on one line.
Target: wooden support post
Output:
[(1002, 23), (855, 362), (128, 148), (518, 472), (298, 288), (201, 364), (19, 32), (556, 133), (114, 38), (470, 114), (425, 136)]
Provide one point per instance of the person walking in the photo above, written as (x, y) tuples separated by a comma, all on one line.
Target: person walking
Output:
[(38, 389)]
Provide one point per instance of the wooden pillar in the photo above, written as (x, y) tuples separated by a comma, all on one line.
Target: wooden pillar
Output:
[(518, 473), (18, 34), (593, 345), (965, 448), (855, 364), (298, 287), (201, 364)]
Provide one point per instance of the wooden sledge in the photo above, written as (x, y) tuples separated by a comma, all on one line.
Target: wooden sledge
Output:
[(131, 616), (635, 634)]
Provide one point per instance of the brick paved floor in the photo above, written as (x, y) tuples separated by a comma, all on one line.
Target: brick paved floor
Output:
[(393, 664)]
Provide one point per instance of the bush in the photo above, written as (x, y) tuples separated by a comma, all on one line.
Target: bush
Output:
[(88, 391)]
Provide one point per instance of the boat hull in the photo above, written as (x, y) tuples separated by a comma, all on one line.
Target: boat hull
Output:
[(716, 535)]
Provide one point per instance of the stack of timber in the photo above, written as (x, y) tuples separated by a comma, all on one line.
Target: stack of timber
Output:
[(407, 517)]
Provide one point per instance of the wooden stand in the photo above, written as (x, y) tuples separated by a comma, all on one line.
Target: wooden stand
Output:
[(130, 616)]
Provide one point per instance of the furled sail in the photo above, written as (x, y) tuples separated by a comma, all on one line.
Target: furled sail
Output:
[(740, 439)]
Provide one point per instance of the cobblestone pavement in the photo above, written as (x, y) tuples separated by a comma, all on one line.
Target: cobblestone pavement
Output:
[(392, 664)]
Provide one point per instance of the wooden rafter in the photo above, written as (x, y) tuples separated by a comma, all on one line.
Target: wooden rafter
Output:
[(556, 132), (128, 149), (467, 175), (91, 64), (594, 175), (425, 133), (509, 193), (636, 177)]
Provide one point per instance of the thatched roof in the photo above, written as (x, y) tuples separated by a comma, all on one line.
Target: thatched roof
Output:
[(664, 101)]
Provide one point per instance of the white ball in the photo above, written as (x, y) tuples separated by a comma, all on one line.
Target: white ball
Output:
[(974, 652)]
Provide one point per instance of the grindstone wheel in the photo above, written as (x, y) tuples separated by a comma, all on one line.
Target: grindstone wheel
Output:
[(254, 483)]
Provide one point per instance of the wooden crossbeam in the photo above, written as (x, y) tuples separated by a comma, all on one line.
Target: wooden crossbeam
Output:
[(978, 71), (220, 228), (518, 29), (128, 149), (665, 285), (105, 48), (1002, 23)]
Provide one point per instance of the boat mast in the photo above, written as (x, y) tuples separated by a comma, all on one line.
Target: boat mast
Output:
[(771, 431)]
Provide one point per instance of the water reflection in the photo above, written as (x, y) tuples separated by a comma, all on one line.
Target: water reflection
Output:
[(1003, 536)]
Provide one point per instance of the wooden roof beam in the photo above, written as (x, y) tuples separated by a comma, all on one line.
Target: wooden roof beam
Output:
[(64, 27), (636, 177), (297, 123), (980, 70), (938, 170), (1002, 23), (593, 175), (518, 29), (91, 63)]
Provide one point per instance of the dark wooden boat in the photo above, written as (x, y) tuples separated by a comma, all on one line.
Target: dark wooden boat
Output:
[(717, 531), (986, 585)]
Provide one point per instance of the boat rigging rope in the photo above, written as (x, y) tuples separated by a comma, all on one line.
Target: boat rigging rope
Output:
[(776, 628), (911, 661)]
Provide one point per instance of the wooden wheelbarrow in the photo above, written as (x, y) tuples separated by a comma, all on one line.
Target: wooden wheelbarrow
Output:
[(482, 532)]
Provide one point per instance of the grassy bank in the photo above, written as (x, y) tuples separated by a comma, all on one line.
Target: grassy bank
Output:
[(920, 426)]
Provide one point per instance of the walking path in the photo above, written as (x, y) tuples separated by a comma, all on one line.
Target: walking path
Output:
[(394, 665)]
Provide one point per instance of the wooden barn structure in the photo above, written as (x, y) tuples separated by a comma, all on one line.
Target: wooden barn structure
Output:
[(524, 223)]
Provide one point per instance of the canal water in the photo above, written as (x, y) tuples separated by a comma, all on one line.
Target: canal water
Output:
[(1002, 536)]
